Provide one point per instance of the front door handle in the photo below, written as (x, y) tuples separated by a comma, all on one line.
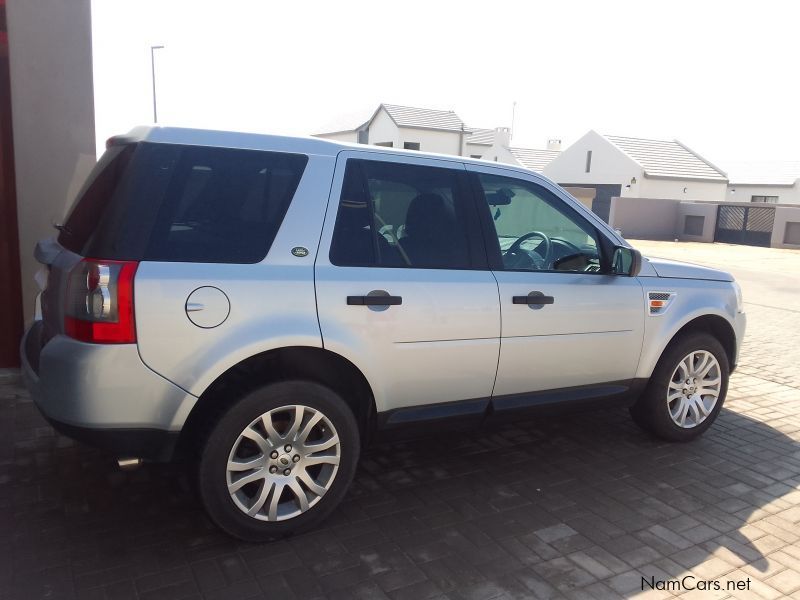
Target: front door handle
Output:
[(374, 300), (533, 299)]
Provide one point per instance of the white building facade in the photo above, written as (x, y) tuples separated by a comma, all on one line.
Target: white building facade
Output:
[(638, 168), (442, 132), (764, 182)]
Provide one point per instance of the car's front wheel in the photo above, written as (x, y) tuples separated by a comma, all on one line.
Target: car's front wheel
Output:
[(279, 460), (687, 389)]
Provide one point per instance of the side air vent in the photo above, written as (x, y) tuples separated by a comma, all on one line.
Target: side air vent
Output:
[(658, 302)]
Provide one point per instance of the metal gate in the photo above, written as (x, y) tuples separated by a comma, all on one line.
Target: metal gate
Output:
[(751, 225)]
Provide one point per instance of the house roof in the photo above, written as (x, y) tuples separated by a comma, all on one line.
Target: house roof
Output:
[(481, 137), (535, 160), (423, 118), (763, 172), (667, 159)]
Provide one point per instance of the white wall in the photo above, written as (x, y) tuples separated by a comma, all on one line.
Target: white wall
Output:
[(475, 149), (689, 191), (382, 129), (609, 165), (785, 194), (50, 52), (431, 140), (340, 136)]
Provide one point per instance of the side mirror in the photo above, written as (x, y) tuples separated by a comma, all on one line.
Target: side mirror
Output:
[(626, 261)]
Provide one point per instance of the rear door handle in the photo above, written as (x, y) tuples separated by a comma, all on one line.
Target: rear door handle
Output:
[(533, 299), (374, 300)]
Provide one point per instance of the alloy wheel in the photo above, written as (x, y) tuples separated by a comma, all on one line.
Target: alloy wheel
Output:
[(283, 462), (694, 389)]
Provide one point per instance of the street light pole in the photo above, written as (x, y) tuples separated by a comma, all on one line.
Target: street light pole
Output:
[(153, 72)]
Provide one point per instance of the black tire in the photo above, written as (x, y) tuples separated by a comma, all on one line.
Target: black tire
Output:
[(212, 467), (651, 411)]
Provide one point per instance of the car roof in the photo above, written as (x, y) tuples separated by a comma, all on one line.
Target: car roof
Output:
[(297, 144)]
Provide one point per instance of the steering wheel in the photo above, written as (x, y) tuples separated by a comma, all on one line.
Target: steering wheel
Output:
[(515, 249)]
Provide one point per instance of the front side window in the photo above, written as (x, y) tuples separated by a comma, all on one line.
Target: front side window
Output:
[(535, 230), (401, 215)]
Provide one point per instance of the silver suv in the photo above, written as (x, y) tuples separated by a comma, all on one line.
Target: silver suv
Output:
[(265, 305)]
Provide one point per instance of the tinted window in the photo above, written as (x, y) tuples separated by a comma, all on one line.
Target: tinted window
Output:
[(400, 215), (535, 230), (168, 202), (93, 197)]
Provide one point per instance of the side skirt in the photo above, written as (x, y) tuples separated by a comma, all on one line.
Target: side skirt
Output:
[(422, 419)]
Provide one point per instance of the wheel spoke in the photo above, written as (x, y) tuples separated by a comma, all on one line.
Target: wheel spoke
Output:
[(707, 369), (243, 481), (695, 411), (300, 494), (274, 437), (274, 500), (263, 493), (676, 385), (701, 407), (321, 460), (711, 382), (310, 483), (297, 420), (685, 366), (303, 435), (674, 396), (684, 412), (246, 465), (704, 359), (254, 436), (324, 445)]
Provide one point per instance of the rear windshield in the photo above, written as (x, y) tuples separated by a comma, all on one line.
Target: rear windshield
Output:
[(167, 202)]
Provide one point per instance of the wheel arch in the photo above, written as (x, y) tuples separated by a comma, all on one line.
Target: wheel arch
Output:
[(715, 324), (280, 364)]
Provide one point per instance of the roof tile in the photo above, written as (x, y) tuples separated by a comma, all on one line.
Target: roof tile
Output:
[(426, 118), (662, 158), (535, 160)]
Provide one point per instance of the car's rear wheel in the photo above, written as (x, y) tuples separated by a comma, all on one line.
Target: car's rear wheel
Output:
[(279, 460), (687, 389)]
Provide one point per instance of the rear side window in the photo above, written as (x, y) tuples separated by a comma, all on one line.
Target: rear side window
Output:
[(167, 202), (400, 215)]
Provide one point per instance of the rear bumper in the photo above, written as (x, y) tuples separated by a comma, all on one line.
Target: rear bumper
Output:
[(104, 395)]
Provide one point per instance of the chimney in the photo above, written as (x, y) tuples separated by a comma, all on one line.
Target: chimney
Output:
[(502, 136), (554, 144)]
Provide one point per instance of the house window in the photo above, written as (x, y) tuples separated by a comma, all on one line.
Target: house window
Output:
[(765, 199), (411, 145), (588, 161), (363, 136), (385, 144), (474, 155)]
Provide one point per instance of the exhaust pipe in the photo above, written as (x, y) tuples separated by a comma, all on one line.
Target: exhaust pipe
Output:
[(129, 464)]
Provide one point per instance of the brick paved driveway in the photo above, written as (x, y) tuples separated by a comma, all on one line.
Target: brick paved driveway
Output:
[(579, 506)]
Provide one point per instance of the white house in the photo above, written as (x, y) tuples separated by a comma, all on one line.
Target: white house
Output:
[(768, 182), (637, 168), (440, 131), (409, 128)]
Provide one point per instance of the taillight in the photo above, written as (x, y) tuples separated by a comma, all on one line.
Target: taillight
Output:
[(99, 302)]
